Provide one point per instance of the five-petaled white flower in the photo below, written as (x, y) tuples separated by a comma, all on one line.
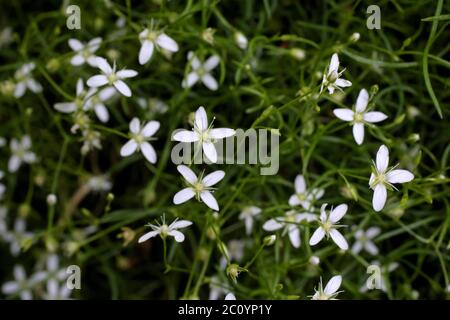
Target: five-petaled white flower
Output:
[(21, 286), (331, 289), (25, 80), (290, 223), (151, 39), (204, 134), (359, 117), (111, 77), (364, 240), (328, 226), (381, 178), (248, 214), (303, 196), (139, 139), (84, 51), (20, 152), (201, 71), (332, 79), (165, 230), (200, 187)]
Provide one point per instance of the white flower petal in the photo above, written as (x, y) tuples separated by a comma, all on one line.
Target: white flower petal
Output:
[(135, 126), (150, 128), (211, 63), (399, 176), (94, 44), (10, 287), (220, 133), (77, 60), (334, 63), (342, 83), (317, 236), (338, 213), (80, 87), (190, 80), (106, 93), (52, 262), (185, 136), (379, 197), (195, 63), (210, 151), (339, 239), (75, 45), (179, 237), (166, 42), (230, 296), (123, 88), (212, 178), (294, 236), (374, 116), (101, 112), (183, 195), (294, 200), (371, 248), (209, 81), (272, 225), (128, 148), (300, 184), (372, 232), (97, 81), (19, 90), (103, 65), (126, 73), (209, 200), (148, 151), (178, 224), (248, 221), (14, 163), (34, 86), (147, 236), (333, 285), (344, 114), (19, 273), (65, 107), (187, 174), (362, 101), (357, 247), (382, 158), (358, 132), (201, 119)]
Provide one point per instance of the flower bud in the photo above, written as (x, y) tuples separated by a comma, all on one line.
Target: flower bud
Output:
[(208, 35), (314, 260), (241, 40), (354, 37), (269, 240), (51, 199), (298, 54)]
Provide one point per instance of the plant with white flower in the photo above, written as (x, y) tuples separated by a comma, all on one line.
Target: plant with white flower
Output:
[(77, 104), (201, 71), (17, 236), (24, 79), (248, 214), (21, 286), (84, 51), (303, 196), (151, 39), (20, 153), (95, 100), (140, 135), (290, 222), (383, 178), (359, 117), (199, 187), (2, 186), (55, 275), (111, 77), (331, 289), (164, 230), (332, 79), (328, 226), (99, 183), (204, 134), (364, 241)]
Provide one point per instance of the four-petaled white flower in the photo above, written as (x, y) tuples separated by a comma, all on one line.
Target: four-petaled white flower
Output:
[(201, 71), (21, 286), (204, 134), (303, 196), (84, 51), (359, 117), (55, 275), (331, 289), (139, 139), (111, 77), (151, 39), (165, 230), (328, 226), (20, 152), (25, 80), (290, 223), (332, 79), (248, 214), (364, 241), (381, 178), (200, 187)]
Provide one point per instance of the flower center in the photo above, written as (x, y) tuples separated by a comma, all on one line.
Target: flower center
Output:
[(112, 78), (198, 187), (164, 230), (200, 71), (139, 138), (301, 196), (152, 35), (358, 117), (380, 178), (290, 218), (332, 77), (327, 226), (85, 53)]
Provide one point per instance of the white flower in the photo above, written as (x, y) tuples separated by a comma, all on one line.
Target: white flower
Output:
[(331, 80), (54, 276), (21, 286), (95, 99), (248, 214), (328, 226), (290, 224), (99, 183), (382, 178), (230, 296), (17, 236), (330, 292), (364, 241), (2, 186), (20, 153), (201, 71), (84, 51), (204, 134), (359, 117), (303, 196), (199, 187), (241, 40), (25, 80), (69, 107), (165, 230), (111, 78), (151, 39), (139, 139)]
